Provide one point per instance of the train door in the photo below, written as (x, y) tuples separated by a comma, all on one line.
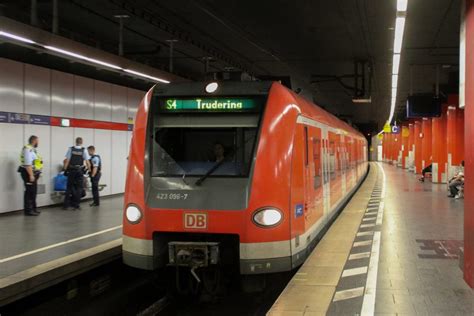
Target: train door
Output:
[(314, 181), (325, 164), (342, 149), (334, 169), (298, 210)]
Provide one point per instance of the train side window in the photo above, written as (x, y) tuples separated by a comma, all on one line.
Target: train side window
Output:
[(332, 159), (306, 146), (317, 162)]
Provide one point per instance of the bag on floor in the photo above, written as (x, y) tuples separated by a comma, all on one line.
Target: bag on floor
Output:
[(60, 182)]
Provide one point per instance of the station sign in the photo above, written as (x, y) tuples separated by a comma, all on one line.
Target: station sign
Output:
[(405, 131), (395, 129)]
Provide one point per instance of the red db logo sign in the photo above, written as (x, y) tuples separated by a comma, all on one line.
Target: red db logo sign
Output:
[(195, 220)]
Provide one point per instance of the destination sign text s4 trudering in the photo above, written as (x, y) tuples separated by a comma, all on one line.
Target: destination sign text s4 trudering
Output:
[(211, 104)]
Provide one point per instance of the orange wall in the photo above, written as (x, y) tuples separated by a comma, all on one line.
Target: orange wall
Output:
[(439, 148), (426, 142)]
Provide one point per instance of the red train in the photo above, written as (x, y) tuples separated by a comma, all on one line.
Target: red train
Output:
[(244, 173)]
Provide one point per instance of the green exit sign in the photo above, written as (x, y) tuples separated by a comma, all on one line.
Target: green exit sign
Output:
[(211, 104)]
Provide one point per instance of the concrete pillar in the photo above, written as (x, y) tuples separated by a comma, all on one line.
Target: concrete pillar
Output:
[(418, 146), (469, 144), (426, 141), (439, 148)]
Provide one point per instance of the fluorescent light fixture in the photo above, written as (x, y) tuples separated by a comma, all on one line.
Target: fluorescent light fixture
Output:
[(16, 37), (399, 28), (395, 64), (140, 74), (394, 81), (79, 56), (402, 5), (362, 100), (394, 92)]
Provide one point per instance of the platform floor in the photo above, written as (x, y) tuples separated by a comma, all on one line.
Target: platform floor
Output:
[(392, 251), (32, 246)]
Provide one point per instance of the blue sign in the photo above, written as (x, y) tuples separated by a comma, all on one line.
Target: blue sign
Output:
[(19, 118), (40, 120), (3, 117), (395, 129), (298, 210), (130, 127)]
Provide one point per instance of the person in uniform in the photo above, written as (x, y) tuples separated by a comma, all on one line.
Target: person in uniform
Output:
[(31, 165), (95, 173), (76, 157)]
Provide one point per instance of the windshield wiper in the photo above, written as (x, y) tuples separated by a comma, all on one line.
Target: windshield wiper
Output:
[(209, 172)]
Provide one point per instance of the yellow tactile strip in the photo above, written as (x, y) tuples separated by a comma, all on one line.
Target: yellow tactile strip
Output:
[(311, 290)]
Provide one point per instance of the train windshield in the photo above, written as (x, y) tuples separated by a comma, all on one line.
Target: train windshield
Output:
[(208, 143)]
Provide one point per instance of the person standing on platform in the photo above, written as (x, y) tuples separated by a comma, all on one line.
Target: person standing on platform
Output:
[(96, 167), (31, 166), (76, 156)]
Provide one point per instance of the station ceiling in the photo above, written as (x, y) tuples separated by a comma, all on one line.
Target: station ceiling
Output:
[(316, 42)]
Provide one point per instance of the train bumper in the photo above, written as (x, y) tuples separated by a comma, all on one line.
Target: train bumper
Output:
[(138, 253)]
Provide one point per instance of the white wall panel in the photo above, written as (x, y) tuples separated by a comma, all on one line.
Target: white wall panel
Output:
[(103, 140), (11, 186), (119, 104), (119, 164), (11, 86), (61, 139), (134, 97), (62, 94), (44, 149), (87, 135), (83, 98), (102, 101), (37, 90)]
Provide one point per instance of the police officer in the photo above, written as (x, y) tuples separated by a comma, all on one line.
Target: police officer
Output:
[(76, 156), (31, 165), (96, 167)]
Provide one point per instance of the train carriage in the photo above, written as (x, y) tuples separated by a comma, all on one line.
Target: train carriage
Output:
[(244, 173)]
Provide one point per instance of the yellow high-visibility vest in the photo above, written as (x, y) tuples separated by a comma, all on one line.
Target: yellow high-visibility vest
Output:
[(37, 163)]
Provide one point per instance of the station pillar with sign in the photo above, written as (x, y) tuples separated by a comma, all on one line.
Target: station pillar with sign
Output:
[(467, 91)]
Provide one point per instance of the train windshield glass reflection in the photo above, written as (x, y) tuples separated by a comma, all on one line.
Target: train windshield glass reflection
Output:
[(193, 151)]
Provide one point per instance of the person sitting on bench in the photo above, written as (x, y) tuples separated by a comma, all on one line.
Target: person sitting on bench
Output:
[(429, 168), (456, 182)]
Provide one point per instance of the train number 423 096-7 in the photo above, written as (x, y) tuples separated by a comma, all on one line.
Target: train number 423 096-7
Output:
[(172, 196)]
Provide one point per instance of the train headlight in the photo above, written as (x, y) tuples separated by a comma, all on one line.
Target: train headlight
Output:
[(267, 217), (133, 214)]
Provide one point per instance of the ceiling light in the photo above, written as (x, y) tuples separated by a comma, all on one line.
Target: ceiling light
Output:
[(399, 28), (140, 74), (362, 100), (16, 37), (394, 81), (395, 64), (402, 5), (79, 56), (394, 92), (212, 87)]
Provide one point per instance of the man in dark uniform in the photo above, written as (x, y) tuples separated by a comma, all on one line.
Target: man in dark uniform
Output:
[(31, 165), (96, 167), (76, 156)]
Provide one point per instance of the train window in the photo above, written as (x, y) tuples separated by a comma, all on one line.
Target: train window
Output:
[(332, 159), (306, 146), (192, 151), (317, 162)]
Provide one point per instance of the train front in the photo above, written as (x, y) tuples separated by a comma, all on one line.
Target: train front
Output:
[(190, 175)]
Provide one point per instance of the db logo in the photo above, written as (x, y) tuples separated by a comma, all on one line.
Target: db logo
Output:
[(195, 220)]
